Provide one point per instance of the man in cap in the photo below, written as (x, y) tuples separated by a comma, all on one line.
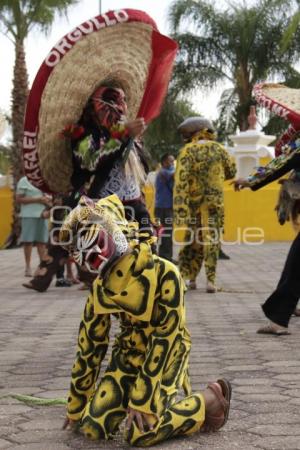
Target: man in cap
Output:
[(202, 166)]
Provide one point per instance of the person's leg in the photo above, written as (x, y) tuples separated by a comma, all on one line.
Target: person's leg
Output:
[(93, 339), (41, 236), (70, 275), (55, 259), (190, 257), (27, 247), (283, 301), (211, 237), (204, 411), (61, 281), (27, 239), (41, 249), (297, 312), (60, 273), (108, 406), (165, 216)]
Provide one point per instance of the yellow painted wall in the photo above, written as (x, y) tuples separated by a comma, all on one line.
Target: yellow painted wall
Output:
[(249, 216), (253, 213), (5, 213)]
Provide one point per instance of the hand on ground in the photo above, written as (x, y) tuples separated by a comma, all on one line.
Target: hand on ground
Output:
[(69, 424), (143, 421)]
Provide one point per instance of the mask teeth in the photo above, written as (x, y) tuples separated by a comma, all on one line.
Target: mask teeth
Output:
[(97, 249), (100, 268), (91, 269), (104, 258)]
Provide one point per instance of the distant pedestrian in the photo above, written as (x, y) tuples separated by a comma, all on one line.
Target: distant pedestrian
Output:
[(34, 228), (55, 259), (164, 204)]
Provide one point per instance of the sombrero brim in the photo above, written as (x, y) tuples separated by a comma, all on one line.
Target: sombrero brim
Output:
[(123, 46), (284, 102)]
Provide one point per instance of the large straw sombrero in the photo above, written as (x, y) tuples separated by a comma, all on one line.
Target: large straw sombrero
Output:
[(284, 102), (122, 46)]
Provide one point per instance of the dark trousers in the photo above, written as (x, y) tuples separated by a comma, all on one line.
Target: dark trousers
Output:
[(281, 304), (60, 273), (58, 258), (165, 215)]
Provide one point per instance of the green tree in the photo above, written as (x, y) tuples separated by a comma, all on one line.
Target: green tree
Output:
[(162, 135), (17, 19), (241, 44), (4, 160)]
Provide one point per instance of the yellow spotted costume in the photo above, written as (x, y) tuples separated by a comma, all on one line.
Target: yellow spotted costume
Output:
[(198, 202), (149, 361)]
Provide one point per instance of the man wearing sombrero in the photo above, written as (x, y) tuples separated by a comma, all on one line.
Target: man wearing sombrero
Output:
[(86, 111), (285, 102)]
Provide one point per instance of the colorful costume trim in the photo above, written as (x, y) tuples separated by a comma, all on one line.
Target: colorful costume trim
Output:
[(276, 164)]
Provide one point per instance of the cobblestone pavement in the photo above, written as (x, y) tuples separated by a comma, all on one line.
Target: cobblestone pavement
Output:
[(38, 337)]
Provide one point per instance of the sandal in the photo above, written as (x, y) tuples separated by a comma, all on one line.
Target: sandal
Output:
[(215, 422), (28, 273), (273, 328)]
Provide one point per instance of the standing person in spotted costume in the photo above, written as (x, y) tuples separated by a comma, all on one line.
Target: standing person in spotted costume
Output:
[(198, 200), (149, 361)]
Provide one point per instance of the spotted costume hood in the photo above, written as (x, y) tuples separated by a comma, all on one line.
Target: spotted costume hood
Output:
[(129, 284)]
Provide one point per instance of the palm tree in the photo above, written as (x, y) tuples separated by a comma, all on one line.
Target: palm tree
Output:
[(17, 19), (161, 135), (239, 44)]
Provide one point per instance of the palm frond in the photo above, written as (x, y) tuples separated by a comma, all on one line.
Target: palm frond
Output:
[(290, 32)]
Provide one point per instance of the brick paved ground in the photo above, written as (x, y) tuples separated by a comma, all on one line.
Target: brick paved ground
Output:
[(38, 334)]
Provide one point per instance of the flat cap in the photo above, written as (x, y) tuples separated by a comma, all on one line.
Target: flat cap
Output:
[(193, 124)]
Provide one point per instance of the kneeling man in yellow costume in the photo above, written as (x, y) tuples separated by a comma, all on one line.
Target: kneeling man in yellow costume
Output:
[(149, 363)]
